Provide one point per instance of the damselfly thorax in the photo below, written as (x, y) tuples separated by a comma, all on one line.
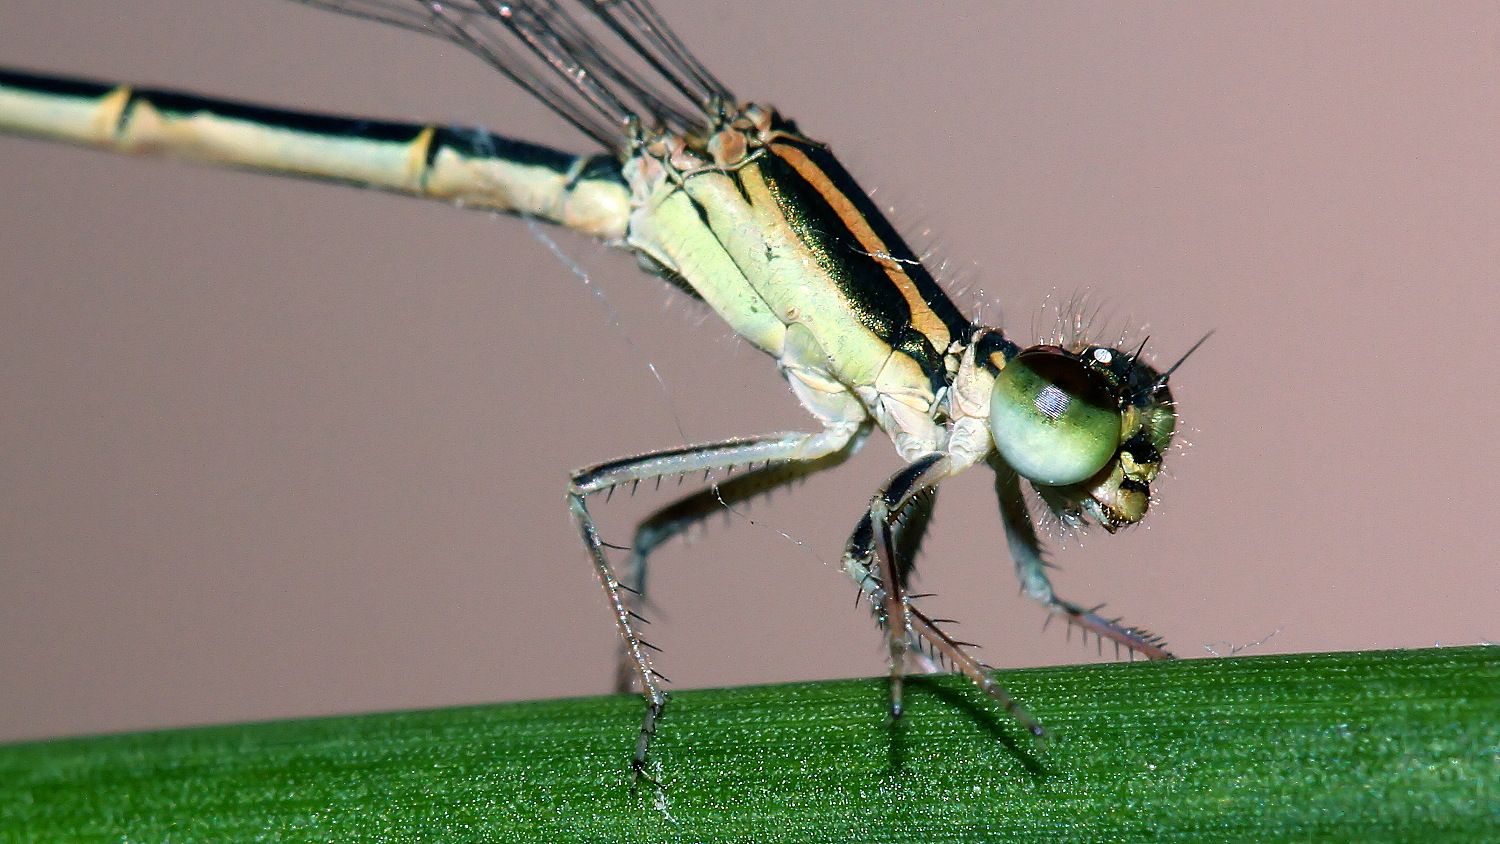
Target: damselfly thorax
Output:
[(766, 227), (735, 206)]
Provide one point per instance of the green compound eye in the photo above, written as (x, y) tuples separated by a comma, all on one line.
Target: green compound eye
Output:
[(1053, 420)]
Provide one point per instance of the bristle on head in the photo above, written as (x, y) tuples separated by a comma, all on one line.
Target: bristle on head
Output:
[(1085, 319)]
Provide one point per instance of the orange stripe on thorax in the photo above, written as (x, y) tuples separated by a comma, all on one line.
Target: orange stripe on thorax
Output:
[(922, 316)]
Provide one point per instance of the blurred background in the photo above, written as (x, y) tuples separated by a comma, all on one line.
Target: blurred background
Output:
[(274, 449)]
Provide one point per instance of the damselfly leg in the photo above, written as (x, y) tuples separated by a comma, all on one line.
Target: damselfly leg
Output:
[(878, 559), (1031, 570), (805, 448), (720, 498)]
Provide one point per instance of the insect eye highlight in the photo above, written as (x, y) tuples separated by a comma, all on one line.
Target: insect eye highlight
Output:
[(1053, 419)]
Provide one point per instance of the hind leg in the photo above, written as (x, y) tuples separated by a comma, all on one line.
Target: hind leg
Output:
[(773, 448), (681, 515)]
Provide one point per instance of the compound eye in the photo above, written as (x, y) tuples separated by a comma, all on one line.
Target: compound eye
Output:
[(1054, 421)]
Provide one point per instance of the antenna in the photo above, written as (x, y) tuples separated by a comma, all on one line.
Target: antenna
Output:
[(1162, 381)]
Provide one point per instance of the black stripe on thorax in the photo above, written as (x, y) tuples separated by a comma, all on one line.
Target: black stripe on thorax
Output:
[(863, 279)]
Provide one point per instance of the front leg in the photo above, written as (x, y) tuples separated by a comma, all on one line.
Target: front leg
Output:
[(773, 448), (1031, 570)]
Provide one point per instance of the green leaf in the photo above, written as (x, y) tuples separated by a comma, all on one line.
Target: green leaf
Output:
[(1396, 745)]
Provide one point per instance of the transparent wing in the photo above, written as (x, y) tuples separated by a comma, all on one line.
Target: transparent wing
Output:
[(606, 66)]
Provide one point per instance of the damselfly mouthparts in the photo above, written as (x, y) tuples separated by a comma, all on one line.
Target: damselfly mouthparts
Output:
[(733, 204)]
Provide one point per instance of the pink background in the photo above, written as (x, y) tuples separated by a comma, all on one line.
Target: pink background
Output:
[(271, 448)]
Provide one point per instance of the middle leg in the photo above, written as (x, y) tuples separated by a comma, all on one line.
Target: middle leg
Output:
[(871, 559)]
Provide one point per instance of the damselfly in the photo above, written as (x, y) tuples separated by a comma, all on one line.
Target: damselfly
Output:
[(730, 202)]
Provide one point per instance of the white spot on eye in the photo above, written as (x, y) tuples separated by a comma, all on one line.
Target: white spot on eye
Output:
[(1052, 401), (1103, 356)]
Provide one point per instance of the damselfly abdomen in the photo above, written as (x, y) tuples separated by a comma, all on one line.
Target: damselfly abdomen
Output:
[(732, 203)]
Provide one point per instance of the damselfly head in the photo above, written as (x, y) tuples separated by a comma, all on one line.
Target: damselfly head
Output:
[(1087, 425)]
